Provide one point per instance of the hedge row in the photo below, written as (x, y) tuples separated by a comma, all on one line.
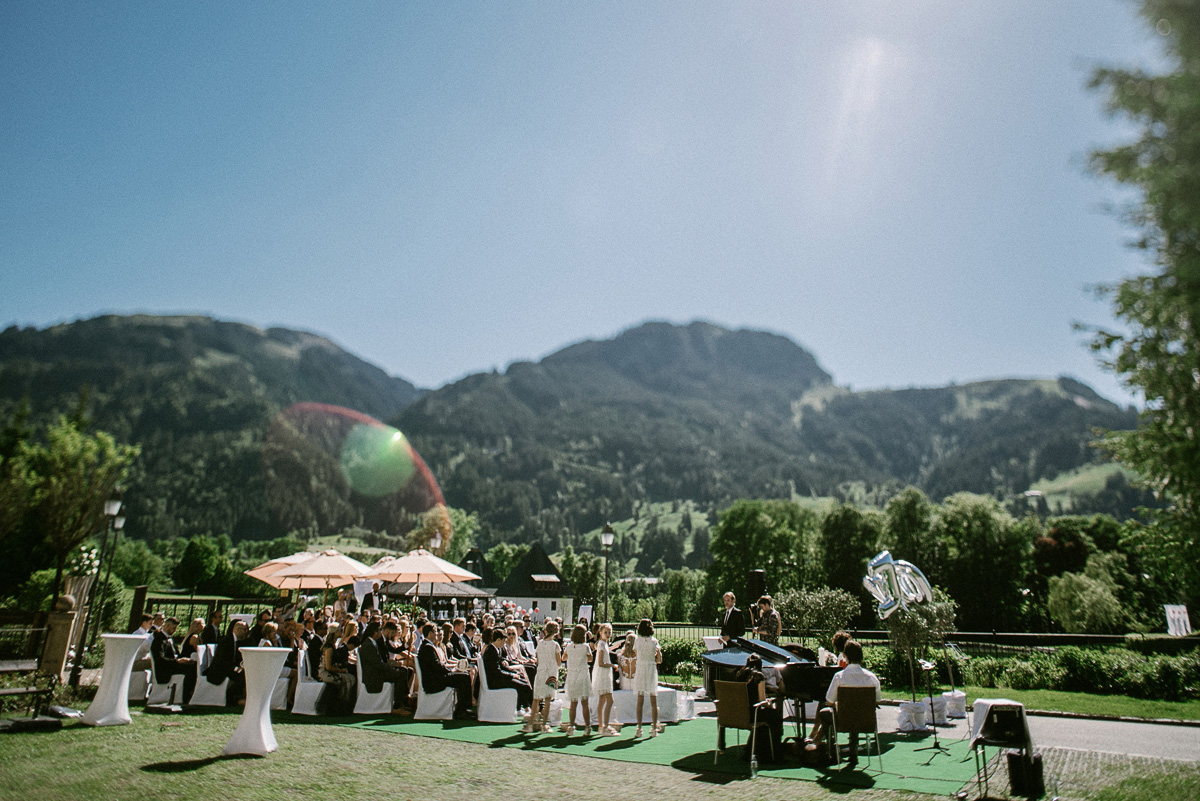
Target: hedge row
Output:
[(1103, 671)]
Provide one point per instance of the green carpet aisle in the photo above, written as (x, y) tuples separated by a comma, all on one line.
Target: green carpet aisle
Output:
[(689, 745)]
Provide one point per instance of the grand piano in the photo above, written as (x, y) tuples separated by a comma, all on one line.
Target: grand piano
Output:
[(792, 676)]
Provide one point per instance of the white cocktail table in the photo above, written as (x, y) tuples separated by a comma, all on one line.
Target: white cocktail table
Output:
[(254, 734), (111, 705)]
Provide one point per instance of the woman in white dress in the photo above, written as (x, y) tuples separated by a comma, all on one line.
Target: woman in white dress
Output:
[(545, 684), (579, 681), (602, 682), (645, 677)]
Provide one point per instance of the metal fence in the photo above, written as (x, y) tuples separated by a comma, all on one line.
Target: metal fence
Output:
[(185, 609)]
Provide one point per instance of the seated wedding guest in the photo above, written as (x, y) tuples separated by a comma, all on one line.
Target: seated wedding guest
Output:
[(854, 675), (255, 635), (376, 669), (515, 654), (769, 622), (338, 697), (227, 663), (313, 647), (168, 662), (191, 640), (502, 673), (524, 634), (437, 677), (756, 692), (143, 661), (474, 637), (292, 637), (458, 646), (269, 637), (212, 632)]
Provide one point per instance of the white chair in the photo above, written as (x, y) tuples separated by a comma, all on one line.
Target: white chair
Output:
[(308, 692), (139, 685), (207, 693), (169, 693), (369, 703), (279, 693), (433, 706), (498, 705)]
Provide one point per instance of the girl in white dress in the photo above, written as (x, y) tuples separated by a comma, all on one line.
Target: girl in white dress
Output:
[(602, 683), (645, 677), (545, 684), (579, 684)]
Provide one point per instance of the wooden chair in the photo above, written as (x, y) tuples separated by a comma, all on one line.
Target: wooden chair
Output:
[(855, 714), (734, 712)]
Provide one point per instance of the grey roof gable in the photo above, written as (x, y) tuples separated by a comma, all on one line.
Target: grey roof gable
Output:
[(520, 582)]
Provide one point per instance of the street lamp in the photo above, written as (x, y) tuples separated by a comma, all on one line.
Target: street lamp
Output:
[(116, 523), (112, 508), (606, 539)]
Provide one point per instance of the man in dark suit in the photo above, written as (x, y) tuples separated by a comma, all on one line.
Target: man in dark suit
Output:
[(459, 647), (501, 673), (227, 663), (436, 677), (373, 599), (168, 662), (376, 669), (264, 617), (212, 632), (733, 623)]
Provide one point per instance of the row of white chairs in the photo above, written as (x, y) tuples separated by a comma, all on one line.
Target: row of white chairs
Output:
[(495, 705)]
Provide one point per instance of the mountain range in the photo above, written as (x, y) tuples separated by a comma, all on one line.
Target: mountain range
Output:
[(543, 450)]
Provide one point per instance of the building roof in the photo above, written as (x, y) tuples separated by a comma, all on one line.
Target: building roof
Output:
[(478, 564), (535, 576)]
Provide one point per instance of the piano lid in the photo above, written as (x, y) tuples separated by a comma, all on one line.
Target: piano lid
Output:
[(739, 650)]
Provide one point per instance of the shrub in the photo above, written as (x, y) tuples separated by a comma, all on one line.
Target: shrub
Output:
[(675, 651), (984, 671), (1039, 672), (888, 664)]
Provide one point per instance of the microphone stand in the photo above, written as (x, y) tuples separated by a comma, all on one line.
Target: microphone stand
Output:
[(937, 748)]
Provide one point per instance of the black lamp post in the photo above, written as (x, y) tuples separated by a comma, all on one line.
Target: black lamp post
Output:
[(606, 539), (116, 522), (112, 508)]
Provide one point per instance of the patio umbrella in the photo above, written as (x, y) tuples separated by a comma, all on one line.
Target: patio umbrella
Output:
[(326, 569), (417, 566), (265, 572)]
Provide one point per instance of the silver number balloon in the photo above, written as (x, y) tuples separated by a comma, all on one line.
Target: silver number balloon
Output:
[(895, 584)]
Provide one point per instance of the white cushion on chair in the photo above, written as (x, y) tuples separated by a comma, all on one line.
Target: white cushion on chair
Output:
[(207, 693), (369, 703), (161, 693), (433, 706), (495, 706), (308, 691), (139, 685)]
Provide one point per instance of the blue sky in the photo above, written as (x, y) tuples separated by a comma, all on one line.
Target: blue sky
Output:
[(444, 188)]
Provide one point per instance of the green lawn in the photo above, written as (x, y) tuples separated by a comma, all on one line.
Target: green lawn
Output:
[(1079, 703)]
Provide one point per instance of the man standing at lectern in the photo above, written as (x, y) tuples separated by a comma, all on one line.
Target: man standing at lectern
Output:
[(733, 624)]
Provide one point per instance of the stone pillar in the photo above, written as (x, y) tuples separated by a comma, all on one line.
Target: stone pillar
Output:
[(60, 625)]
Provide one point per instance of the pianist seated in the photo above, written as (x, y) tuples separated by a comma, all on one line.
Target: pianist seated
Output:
[(854, 675), (756, 692)]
